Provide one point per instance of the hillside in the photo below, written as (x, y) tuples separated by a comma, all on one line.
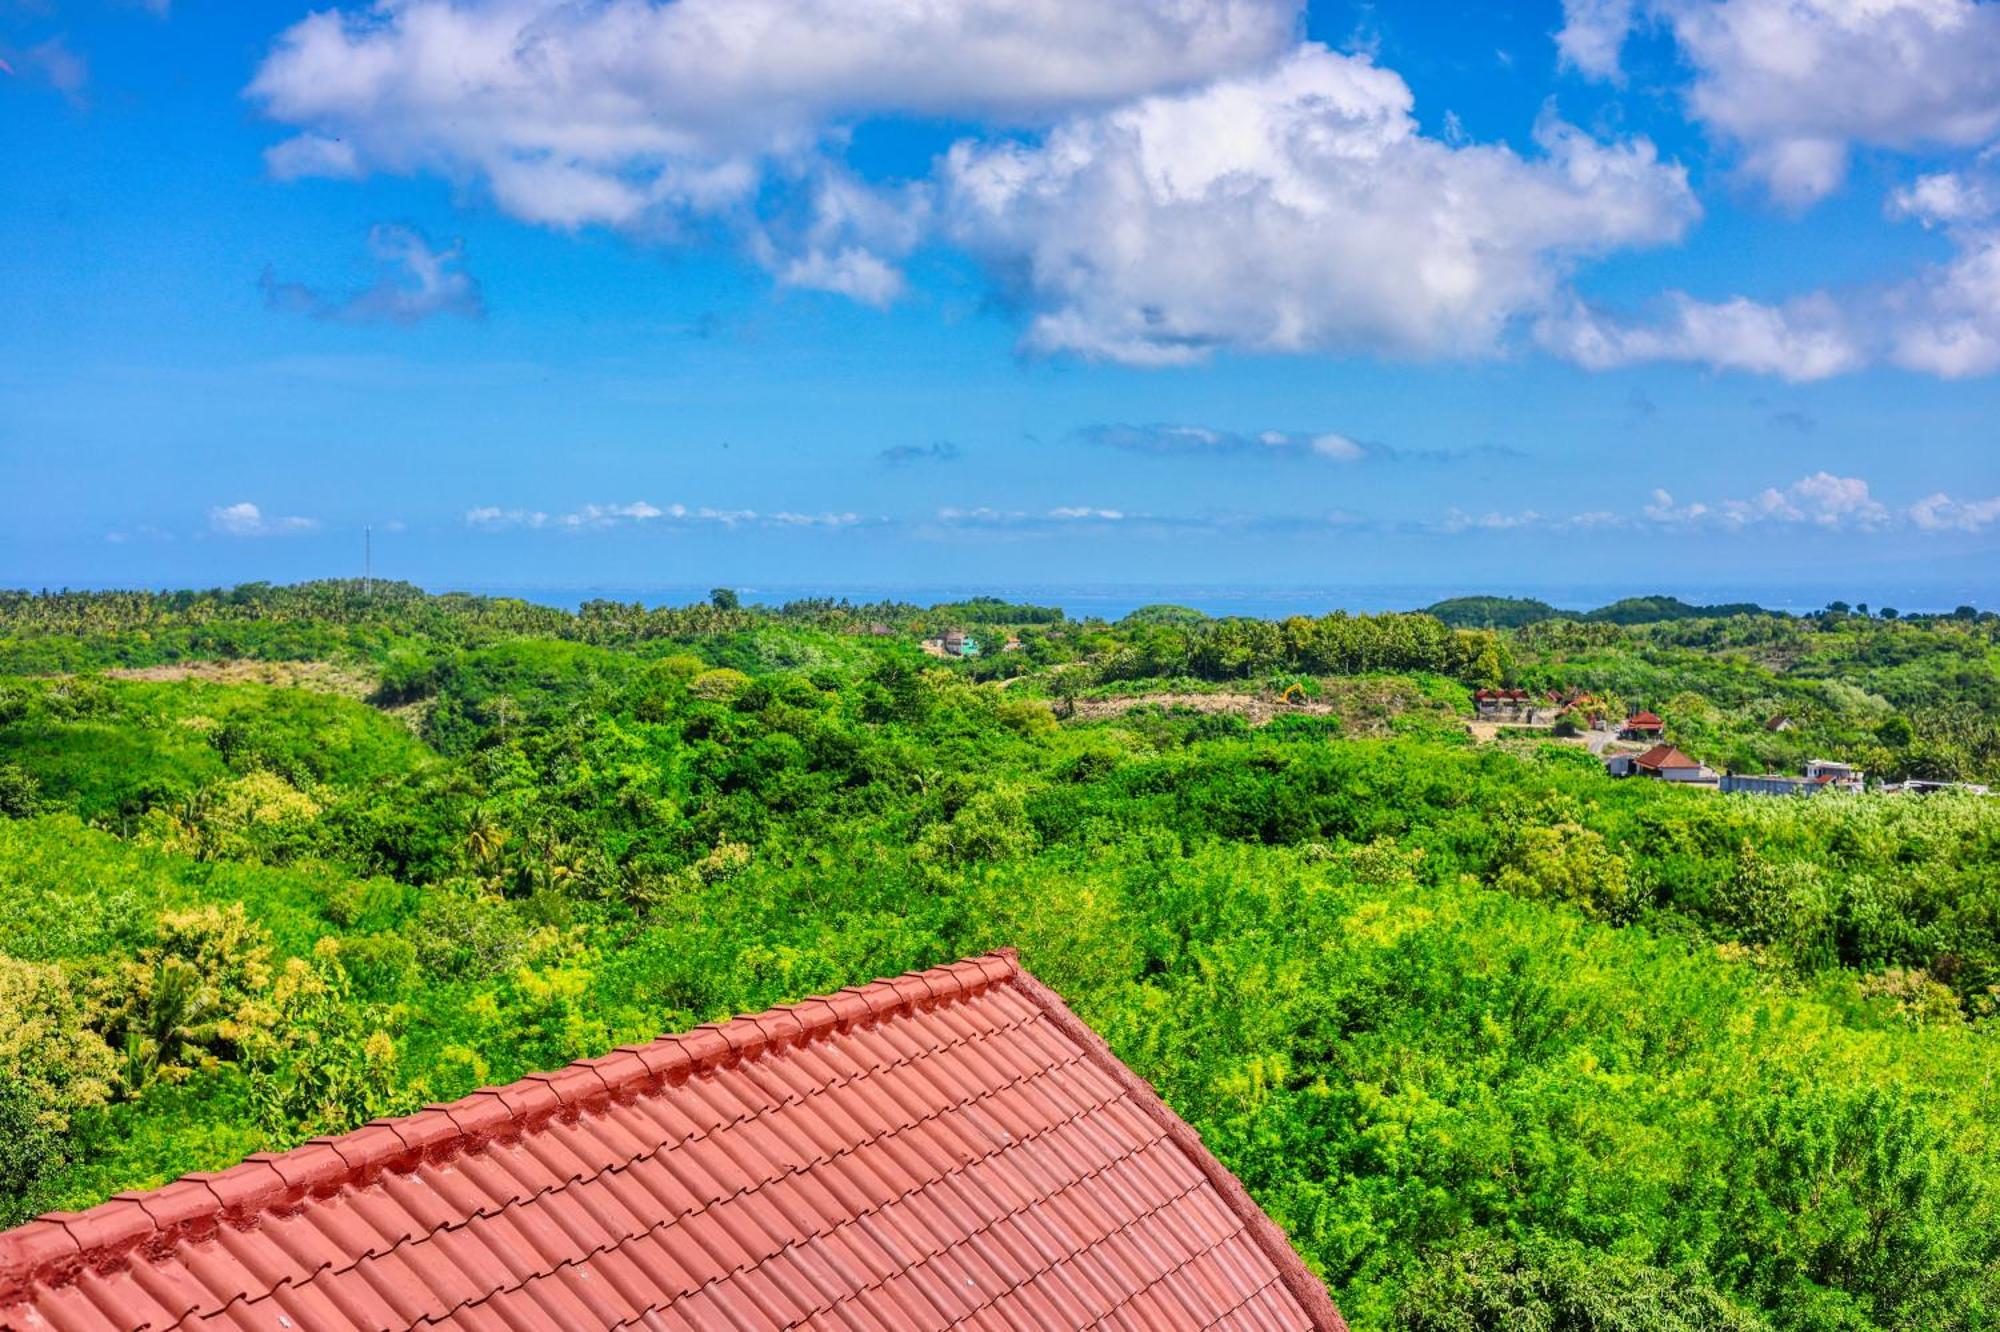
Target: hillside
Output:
[(1497, 1040)]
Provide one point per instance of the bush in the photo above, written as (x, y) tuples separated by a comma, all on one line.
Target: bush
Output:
[(53, 1068)]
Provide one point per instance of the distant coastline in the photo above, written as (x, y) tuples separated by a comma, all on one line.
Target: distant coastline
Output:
[(1113, 601)]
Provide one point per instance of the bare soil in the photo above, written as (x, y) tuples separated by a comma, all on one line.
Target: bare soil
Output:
[(322, 676)]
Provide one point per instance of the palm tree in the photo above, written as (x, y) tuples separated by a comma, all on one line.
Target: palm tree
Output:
[(178, 1011)]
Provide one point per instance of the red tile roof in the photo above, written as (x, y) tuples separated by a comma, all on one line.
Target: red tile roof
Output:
[(949, 1148), (1664, 756), (1645, 720)]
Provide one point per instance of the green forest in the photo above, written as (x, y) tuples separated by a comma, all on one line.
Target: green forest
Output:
[(1501, 1042)]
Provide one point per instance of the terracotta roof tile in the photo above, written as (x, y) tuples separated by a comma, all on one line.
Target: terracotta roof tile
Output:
[(947, 1149)]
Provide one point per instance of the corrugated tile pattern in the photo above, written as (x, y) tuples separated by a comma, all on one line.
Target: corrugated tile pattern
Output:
[(936, 1151)]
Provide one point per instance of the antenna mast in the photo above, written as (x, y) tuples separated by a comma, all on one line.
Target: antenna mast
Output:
[(367, 562)]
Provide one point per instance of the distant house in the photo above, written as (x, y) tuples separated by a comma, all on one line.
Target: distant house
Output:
[(1918, 786), (952, 643), (1668, 764), (1011, 645), (1779, 723), (1501, 700), (1642, 725), (1820, 775), (1826, 772), (1619, 765)]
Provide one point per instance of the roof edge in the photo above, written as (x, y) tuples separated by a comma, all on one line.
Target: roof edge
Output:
[(56, 1245), (1304, 1287)]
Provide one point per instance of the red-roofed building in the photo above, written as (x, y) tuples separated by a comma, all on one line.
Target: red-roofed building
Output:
[(1502, 700), (949, 1148), (1669, 764), (1644, 724)]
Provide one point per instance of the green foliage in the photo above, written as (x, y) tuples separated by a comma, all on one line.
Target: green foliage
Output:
[(1501, 1043), (1544, 1285), (53, 1068), (1492, 612)]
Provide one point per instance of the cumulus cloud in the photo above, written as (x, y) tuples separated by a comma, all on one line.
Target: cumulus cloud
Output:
[(1942, 513), (1944, 320), (1804, 340), (629, 110), (1294, 209), (1821, 500), (247, 520), (1949, 198), (415, 282), (1798, 83)]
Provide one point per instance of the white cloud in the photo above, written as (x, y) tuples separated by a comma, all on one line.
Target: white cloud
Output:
[(416, 282), (492, 518), (1947, 198), (1944, 321), (1820, 500), (1798, 83), (1203, 441), (628, 111), (1459, 521), (1593, 33), (1294, 209), (786, 518), (610, 515), (1328, 446), (1085, 513), (1942, 513), (599, 517), (1339, 448), (247, 520), (1807, 339)]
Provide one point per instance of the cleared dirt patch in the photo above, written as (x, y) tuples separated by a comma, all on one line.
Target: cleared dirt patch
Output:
[(323, 676), (1258, 708)]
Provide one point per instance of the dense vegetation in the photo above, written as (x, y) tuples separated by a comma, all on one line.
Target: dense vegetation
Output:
[(1502, 1043)]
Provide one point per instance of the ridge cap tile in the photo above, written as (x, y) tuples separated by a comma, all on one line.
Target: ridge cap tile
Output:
[(312, 1166), (746, 1038), (622, 1071), (430, 1132), (706, 1047), (849, 1007), (480, 1117)]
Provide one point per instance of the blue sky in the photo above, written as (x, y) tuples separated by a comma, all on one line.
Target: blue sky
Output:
[(1489, 297)]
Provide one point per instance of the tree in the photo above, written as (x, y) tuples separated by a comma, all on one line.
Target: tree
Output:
[(52, 1066), (20, 793), (725, 599)]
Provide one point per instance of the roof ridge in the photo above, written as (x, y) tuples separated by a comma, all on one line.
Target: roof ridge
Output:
[(57, 1244)]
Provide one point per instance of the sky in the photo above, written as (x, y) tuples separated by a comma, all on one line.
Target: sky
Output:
[(1633, 294)]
